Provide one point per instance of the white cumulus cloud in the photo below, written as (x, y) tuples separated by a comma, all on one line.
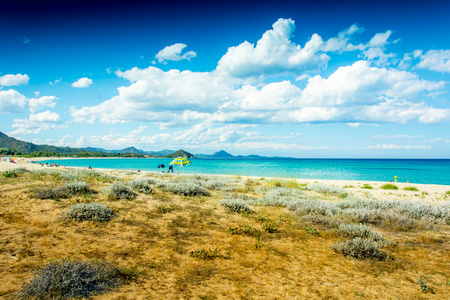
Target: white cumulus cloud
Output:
[(39, 103), (436, 60), (82, 83), (174, 53), (13, 80), (274, 54), (37, 122), (11, 101)]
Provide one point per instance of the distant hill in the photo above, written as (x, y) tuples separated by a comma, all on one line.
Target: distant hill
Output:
[(181, 153), (164, 152), (27, 148), (222, 153)]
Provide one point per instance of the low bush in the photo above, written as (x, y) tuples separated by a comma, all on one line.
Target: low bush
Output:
[(328, 189), (360, 248), (10, 174), (324, 221), (77, 188), (389, 186), (367, 186), (118, 190), (236, 205), (89, 212), (66, 279), (51, 192), (140, 185), (360, 230), (186, 189), (411, 188)]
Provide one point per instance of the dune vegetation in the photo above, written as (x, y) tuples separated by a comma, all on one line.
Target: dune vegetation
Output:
[(127, 235)]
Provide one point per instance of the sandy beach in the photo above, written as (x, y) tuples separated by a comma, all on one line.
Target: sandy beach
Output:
[(426, 192)]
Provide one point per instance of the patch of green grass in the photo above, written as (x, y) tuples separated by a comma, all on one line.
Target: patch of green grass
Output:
[(411, 188), (312, 231), (348, 186), (10, 174), (389, 186), (367, 186), (206, 254)]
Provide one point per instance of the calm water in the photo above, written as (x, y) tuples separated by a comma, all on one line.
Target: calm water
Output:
[(432, 171)]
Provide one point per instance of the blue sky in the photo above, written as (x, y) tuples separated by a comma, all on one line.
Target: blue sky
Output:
[(287, 78)]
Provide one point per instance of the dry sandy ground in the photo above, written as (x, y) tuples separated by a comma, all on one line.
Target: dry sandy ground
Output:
[(425, 193)]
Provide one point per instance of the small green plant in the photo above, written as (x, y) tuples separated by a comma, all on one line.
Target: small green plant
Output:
[(66, 279), (51, 192), (360, 230), (89, 212), (77, 188), (411, 188), (367, 186), (259, 243), (140, 185), (360, 248), (447, 193), (424, 288), (163, 209), (425, 193), (119, 190), (10, 174), (348, 186), (206, 254), (236, 205), (312, 231), (389, 186), (269, 227), (246, 230)]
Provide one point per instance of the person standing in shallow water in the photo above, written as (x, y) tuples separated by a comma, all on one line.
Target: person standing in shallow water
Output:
[(170, 168)]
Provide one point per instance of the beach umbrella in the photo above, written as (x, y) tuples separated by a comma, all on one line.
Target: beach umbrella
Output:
[(180, 161)]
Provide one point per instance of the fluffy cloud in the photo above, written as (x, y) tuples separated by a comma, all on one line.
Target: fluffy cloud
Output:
[(82, 83), (12, 80), (274, 54), (173, 52), (37, 122), (38, 104), (11, 101), (154, 95), (436, 60)]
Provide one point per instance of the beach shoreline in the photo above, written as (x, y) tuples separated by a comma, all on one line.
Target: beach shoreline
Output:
[(427, 192)]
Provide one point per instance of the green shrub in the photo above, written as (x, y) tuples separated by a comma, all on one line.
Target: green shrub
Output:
[(328, 189), (89, 212), (78, 188), (10, 174), (367, 186), (118, 190), (236, 205), (411, 188), (186, 189), (360, 248), (140, 185), (389, 186), (360, 230), (66, 279), (51, 192)]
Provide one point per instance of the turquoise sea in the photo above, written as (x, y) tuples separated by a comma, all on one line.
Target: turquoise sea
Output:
[(429, 171)]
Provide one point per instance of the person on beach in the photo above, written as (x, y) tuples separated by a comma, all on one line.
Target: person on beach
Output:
[(170, 168)]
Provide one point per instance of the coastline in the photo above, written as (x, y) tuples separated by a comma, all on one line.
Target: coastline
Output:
[(426, 192)]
